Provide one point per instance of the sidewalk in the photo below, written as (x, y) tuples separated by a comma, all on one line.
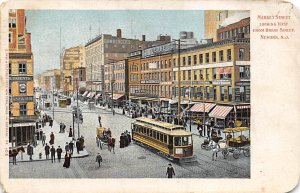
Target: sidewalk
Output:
[(60, 140)]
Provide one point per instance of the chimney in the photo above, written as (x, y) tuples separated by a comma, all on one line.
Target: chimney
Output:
[(143, 38), (119, 33)]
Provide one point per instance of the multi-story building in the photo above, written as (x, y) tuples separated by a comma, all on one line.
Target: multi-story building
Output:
[(73, 58), (51, 80), (214, 19), (107, 48), (240, 29), (116, 77), (79, 77), (21, 84)]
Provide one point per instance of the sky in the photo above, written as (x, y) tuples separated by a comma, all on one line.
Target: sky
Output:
[(45, 25)]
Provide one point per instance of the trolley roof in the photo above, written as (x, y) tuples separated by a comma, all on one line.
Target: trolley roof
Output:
[(177, 131), (236, 129), (153, 122)]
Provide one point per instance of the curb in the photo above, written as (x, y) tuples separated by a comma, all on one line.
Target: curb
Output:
[(48, 159)]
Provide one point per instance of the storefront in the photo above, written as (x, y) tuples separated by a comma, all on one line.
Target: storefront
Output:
[(222, 115), (21, 133)]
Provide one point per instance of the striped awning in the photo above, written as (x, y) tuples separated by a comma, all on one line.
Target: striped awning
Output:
[(243, 107), (201, 107), (92, 94), (117, 96), (97, 96), (85, 93), (220, 111)]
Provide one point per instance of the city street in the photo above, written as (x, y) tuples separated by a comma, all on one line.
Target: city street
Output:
[(133, 161)]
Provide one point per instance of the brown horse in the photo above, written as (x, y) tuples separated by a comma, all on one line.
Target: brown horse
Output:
[(14, 152)]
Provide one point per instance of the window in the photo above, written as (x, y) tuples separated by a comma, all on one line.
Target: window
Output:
[(189, 60), (242, 93), (195, 59), (201, 74), (207, 74), (189, 74), (12, 23), (174, 75), (185, 140), (22, 68), (174, 62), (229, 93), (207, 58), (244, 72), (183, 61), (221, 56), (248, 29), (183, 74), (195, 74), (215, 73), (201, 58), (222, 93), (241, 53), (23, 109), (154, 134), (207, 92), (228, 54), (214, 57), (10, 37), (165, 139), (9, 68), (177, 141), (161, 137)]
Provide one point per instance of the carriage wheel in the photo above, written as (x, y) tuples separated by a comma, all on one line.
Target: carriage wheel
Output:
[(246, 152), (236, 154), (225, 153)]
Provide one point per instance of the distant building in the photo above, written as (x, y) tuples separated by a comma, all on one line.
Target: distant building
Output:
[(214, 19), (21, 84), (239, 29), (107, 48), (51, 80), (73, 58), (79, 76)]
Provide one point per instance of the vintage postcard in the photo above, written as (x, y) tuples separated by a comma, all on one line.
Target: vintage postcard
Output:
[(136, 96)]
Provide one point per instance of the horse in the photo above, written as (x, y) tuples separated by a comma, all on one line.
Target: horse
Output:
[(14, 152)]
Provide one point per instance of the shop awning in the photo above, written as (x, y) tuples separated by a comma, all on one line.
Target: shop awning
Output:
[(133, 97), (243, 107), (220, 111), (201, 107), (92, 94), (151, 99), (85, 93), (97, 96), (117, 96)]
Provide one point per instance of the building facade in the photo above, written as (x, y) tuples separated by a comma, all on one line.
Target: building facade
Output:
[(107, 48), (215, 19), (51, 80), (240, 29), (73, 58), (21, 81), (79, 76)]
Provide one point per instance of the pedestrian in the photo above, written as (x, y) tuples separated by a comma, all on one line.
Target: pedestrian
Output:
[(51, 138), (129, 138), (47, 151), (59, 152), (71, 146), (208, 131), (67, 147), (67, 162), (108, 133), (51, 122), (70, 132), (170, 171), (122, 141), (30, 151), (99, 120), (99, 159), (215, 148), (52, 151), (78, 146), (41, 134)]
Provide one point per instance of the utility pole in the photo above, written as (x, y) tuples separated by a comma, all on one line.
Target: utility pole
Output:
[(53, 99), (77, 108), (179, 82)]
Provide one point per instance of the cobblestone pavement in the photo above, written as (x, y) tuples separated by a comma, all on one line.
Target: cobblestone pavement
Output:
[(133, 161)]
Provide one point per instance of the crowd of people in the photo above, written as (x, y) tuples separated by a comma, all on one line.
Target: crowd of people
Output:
[(125, 139)]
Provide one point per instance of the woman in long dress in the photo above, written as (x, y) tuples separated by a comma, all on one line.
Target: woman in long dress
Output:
[(67, 160)]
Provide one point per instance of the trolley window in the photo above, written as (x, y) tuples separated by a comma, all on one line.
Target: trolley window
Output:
[(150, 132), (165, 139), (170, 140), (161, 137), (185, 140), (147, 130), (154, 134), (177, 141), (157, 135)]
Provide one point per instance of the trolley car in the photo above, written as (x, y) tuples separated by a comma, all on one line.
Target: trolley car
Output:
[(171, 140)]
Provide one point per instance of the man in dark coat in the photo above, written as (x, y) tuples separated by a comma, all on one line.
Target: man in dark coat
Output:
[(30, 151), (47, 151), (170, 171), (71, 145), (51, 122), (58, 151), (99, 159), (51, 138), (78, 146), (99, 120), (125, 140), (52, 151)]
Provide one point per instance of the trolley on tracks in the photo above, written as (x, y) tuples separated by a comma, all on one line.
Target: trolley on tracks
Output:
[(171, 140)]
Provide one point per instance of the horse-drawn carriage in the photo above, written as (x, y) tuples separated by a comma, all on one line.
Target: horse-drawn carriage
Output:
[(236, 144), (104, 137), (102, 134)]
